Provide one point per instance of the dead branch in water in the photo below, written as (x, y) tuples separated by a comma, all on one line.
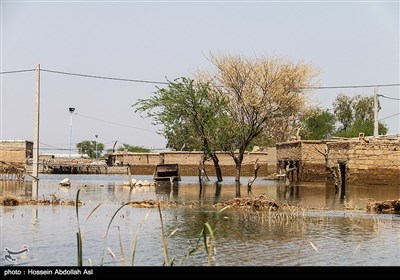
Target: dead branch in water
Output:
[(252, 179)]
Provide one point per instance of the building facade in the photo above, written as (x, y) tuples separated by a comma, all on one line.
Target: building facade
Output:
[(16, 151), (362, 160)]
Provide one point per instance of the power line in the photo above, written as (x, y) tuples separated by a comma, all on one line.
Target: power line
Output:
[(388, 97), (166, 83), (17, 71), (353, 86), (124, 125), (104, 77), (389, 117)]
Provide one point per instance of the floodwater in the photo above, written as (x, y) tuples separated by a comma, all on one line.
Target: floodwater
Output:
[(330, 229)]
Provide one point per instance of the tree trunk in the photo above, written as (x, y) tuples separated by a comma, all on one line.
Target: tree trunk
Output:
[(217, 167), (238, 165), (202, 171)]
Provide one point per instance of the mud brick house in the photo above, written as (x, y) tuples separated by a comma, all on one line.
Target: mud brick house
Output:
[(361, 160), (15, 151), (303, 155), (13, 158), (367, 161)]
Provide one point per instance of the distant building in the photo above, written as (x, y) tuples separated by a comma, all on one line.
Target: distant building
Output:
[(145, 163), (16, 151)]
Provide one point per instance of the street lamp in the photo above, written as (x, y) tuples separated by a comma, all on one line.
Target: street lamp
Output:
[(96, 148), (71, 110)]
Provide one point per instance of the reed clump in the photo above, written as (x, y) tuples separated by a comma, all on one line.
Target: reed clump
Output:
[(260, 203), (153, 204), (9, 200), (384, 207)]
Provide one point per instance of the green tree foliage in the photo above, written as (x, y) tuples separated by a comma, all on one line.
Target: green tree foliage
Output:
[(193, 118), (318, 124), (342, 108), (356, 115), (133, 149), (366, 127), (89, 147)]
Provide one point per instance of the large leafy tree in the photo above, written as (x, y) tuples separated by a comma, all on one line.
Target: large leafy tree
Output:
[(263, 94), (192, 117), (342, 108), (318, 124), (356, 114), (89, 147)]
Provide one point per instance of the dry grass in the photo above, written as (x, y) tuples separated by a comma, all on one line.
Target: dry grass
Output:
[(153, 204), (260, 203)]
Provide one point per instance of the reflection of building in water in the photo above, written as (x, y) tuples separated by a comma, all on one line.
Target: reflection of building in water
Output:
[(288, 194), (19, 188), (166, 190)]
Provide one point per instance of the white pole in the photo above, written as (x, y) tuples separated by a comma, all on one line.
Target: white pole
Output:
[(376, 133), (96, 149), (35, 168), (71, 110)]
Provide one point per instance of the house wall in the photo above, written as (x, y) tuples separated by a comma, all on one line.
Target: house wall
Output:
[(15, 151), (144, 163), (371, 162), (303, 155)]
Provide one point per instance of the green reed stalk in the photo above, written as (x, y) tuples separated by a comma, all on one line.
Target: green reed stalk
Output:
[(136, 238), (121, 247), (108, 229), (78, 234), (208, 243)]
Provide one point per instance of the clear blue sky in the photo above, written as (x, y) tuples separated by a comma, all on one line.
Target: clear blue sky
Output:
[(352, 43)]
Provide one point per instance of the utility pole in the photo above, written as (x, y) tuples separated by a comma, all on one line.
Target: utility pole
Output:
[(97, 162), (35, 167), (71, 110), (376, 133)]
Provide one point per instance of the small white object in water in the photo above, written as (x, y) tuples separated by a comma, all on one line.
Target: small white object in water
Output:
[(65, 182)]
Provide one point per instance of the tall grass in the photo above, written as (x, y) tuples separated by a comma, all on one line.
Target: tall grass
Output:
[(206, 238), (165, 251)]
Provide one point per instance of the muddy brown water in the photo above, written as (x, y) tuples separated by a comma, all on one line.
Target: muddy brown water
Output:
[(329, 230)]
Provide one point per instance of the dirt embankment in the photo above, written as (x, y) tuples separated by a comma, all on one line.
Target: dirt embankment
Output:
[(259, 203)]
